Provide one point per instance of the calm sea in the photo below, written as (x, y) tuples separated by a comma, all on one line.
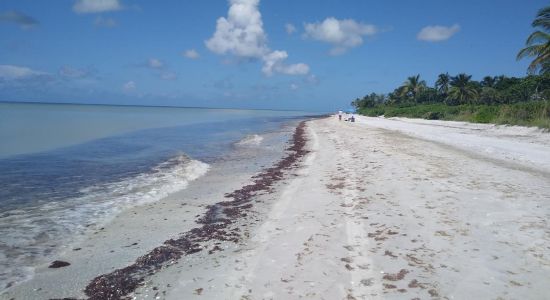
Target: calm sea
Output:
[(65, 167)]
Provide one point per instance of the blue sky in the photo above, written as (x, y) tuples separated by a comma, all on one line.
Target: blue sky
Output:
[(307, 54)]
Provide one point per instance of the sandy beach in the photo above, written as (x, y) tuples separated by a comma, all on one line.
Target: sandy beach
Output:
[(376, 209), (376, 213), (253, 149)]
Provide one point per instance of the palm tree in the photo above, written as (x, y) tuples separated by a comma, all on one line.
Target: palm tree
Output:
[(538, 44), (489, 81), (462, 89), (412, 87), (442, 83)]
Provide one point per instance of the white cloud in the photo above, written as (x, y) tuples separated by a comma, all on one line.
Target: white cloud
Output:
[(437, 33), (155, 63), (11, 72), (129, 86), (158, 68), (191, 54), (75, 73), (241, 34), (96, 6), (21, 19), (342, 34), (168, 75), (105, 22), (294, 86), (311, 79), (290, 29), (274, 62)]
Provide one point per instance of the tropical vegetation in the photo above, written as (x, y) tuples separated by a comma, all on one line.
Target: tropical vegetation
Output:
[(493, 99), (538, 43)]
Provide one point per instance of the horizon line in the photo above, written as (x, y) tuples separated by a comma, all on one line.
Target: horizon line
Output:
[(151, 106)]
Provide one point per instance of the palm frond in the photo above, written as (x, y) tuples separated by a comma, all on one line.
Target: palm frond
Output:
[(538, 44), (543, 18), (538, 37), (539, 64), (534, 50)]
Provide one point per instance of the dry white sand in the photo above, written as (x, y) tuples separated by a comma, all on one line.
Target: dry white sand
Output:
[(381, 208)]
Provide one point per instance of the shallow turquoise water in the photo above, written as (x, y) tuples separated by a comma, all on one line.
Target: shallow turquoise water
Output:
[(30, 127), (66, 167)]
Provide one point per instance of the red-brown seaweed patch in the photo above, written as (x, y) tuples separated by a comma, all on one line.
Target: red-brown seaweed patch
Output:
[(396, 276), (215, 223), (58, 264), (390, 254)]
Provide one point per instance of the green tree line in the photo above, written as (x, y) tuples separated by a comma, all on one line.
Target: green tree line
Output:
[(461, 89), (495, 99)]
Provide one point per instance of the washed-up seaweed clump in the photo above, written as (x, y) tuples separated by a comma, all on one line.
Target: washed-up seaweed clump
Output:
[(215, 226)]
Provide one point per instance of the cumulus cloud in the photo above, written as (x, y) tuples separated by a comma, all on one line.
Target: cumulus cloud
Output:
[(311, 79), (104, 22), (168, 75), (437, 33), (74, 73), (341, 34), (18, 18), (274, 63), (290, 29), (11, 72), (159, 68), (191, 54), (241, 34), (155, 63), (96, 6), (129, 86)]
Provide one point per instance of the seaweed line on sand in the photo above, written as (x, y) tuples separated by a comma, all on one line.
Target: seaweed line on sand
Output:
[(215, 225)]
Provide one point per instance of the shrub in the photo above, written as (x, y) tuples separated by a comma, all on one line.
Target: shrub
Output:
[(533, 113), (485, 114), (433, 115)]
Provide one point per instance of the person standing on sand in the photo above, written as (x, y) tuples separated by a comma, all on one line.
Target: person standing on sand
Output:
[(340, 115)]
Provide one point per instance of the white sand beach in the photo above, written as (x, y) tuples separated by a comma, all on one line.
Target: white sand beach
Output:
[(378, 209), (389, 209)]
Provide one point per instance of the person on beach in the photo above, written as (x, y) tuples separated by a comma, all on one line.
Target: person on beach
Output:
[(340, 115)]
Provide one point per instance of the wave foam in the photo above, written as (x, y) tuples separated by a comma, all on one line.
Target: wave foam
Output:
[(29, 236), (251, 140)]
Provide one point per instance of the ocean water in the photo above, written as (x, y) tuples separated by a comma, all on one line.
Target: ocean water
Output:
[(67, 168)]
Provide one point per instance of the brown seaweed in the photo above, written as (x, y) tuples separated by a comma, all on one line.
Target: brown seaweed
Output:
[(215, 226)]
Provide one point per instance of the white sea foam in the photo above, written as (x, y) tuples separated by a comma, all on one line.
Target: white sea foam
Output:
[(251, 140), (31, 236)]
